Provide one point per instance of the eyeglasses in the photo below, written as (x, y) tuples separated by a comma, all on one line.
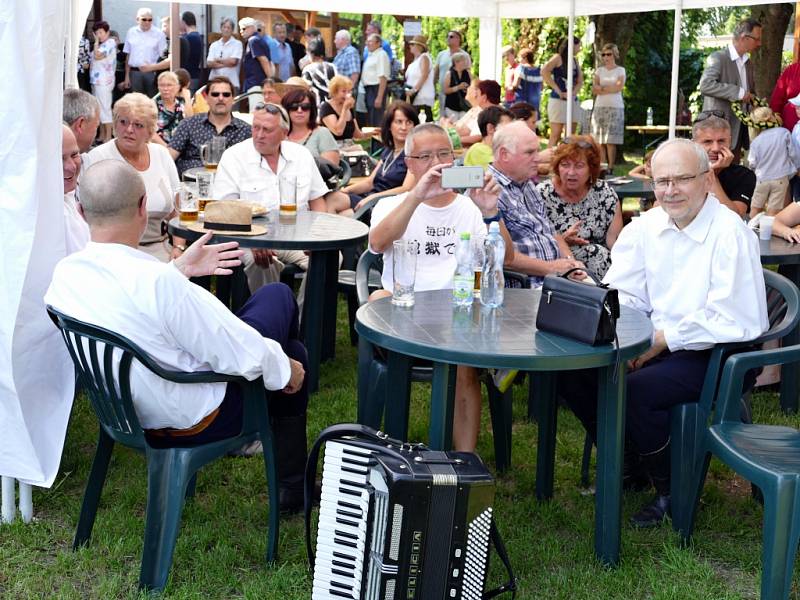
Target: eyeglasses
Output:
[(707, 114), (125, 123), (145, 19), (218, 94), (662, 183), (583, 144), (426, 157), (306, 106)]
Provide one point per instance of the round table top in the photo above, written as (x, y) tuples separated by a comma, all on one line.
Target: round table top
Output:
[(309, 230), (777, 251), (637, 188), (505, 337), (191, 174)]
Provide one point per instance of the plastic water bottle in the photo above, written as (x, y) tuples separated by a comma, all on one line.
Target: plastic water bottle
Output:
[(463, 278), (649, 121), (492, 280)]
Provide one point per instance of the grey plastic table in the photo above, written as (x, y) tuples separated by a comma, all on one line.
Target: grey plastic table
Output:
[(507, 337), (777, 251), (324, 235)]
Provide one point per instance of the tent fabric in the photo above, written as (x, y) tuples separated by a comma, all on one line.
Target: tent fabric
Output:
[(36, 377)]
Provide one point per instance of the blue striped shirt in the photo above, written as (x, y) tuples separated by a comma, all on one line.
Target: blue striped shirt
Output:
[(525, 216)]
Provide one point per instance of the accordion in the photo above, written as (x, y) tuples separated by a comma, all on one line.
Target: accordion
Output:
[(399, 521)]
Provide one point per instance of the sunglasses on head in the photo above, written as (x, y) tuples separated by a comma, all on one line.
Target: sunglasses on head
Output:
[(218, 94), (707, 114), (306, 106), (579, 143), (273, 109)]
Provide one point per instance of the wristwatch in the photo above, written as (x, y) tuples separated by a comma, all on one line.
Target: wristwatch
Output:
[(496, 217)]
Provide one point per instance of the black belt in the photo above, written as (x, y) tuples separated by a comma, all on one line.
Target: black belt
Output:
[(134, 68)]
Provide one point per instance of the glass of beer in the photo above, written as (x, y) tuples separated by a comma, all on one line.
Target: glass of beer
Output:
[(205, 179), (211, 152), (287, 188), (477, 263), (186, 204)]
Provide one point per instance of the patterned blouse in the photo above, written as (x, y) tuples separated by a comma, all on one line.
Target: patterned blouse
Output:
[(595, 211), (168, 120)]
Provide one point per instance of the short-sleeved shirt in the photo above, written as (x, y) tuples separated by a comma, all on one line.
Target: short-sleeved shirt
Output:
[(376, 65), (525, 216), (144, 47), (282, 57), (479, 155), (253, 72), (220, 50), (168, 120), (349, 129), (319, 74), (738, 182), (437, 231), (347, 61), (321, 140), (243, 173), (192, 61), (195, 131), (103, 69)]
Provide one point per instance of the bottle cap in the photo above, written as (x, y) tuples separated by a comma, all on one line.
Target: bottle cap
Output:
[(494, 226), (465, 235)]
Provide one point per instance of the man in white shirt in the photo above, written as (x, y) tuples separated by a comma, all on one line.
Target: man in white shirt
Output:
[(375, 74), (254, 170), (143, 46), (693, 267), (728, 77), (76, 231), (183, 327), (435, 217), (225, 54)]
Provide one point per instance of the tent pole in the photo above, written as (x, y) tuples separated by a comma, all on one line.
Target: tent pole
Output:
[(676, 55), (568, 67)]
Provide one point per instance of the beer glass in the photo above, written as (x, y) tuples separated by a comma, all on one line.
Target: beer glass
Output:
[(186, 204), (211, 152), (205, 180), (287, 202)]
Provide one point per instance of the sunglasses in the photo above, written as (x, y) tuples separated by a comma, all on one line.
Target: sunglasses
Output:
[(606, 54), (579, 143), (306, 106), (143, 19), (707, 114), (273, 109), (218, 94)]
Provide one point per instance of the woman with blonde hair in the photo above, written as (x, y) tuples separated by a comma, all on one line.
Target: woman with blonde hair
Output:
[(608, 113), (134, 123), (337, 113)]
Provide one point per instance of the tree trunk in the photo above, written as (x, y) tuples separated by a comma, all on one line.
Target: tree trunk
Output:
[(767, 60), (614, 29)]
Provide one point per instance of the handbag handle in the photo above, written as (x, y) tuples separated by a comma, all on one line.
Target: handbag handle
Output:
[(588, 272)]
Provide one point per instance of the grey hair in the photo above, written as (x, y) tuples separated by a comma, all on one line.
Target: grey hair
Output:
[(459, 56), (745, 27), (143, 11), (375, 36), (169, 75), (408, 148), (507, 136), (376, 25), (712, 122), (77, 104), (227, 20), (343, 33), (699, 152), (110, 191), (283, 115)]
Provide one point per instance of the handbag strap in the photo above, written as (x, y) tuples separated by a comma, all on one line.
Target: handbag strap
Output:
[(338, 431), (511, 584)]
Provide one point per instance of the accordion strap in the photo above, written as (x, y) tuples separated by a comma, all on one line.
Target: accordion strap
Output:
[(511, 584), (342, 430)]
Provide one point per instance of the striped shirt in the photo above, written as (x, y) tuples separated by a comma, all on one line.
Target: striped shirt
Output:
[(525, 216)]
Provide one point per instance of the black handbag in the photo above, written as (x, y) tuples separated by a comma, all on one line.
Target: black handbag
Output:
[(587, 313)]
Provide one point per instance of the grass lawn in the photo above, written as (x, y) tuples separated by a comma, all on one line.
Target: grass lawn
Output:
[(223, 534)]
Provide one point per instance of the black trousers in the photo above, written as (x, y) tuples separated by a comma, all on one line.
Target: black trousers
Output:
[(670, 378), (272, 311)]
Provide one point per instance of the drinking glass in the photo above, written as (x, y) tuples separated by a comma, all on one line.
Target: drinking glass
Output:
[(404, 271)]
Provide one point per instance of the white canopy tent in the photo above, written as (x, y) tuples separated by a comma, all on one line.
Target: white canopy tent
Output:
[(35, 375)]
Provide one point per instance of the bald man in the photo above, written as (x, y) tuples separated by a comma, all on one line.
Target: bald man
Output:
[(112, 284)]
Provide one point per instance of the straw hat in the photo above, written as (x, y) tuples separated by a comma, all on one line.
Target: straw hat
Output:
[(420, 40), (228, 216)]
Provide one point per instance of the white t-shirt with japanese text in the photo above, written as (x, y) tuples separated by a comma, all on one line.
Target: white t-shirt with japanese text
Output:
[(437, 230)]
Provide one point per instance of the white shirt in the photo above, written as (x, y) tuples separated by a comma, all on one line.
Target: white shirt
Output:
[(179, 324), (144, 47), (426, 93), (437, 231), (610, 77), (376, 66), (220, 50), (76, 230), (702, 285), (739, 60), (243, 173), (160, 181), (773, 155)]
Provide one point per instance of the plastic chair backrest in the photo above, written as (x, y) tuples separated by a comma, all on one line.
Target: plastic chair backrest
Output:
[(96, 352), (366, 262)]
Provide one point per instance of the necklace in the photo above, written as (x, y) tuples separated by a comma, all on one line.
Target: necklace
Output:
[(388, 163)]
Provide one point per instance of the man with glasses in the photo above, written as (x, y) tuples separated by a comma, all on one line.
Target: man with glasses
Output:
[(435, 217), (256, 170), (444, 60), (191, 133), (256, 62), (539, 250), (732, 184), (693, 267), (728, 77), (143, 46)]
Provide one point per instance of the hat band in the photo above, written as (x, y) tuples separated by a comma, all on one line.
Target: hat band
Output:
[(226, 226)]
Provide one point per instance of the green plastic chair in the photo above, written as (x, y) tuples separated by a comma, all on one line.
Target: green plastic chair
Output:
[(689, 421), (171, 472), (768, 456), (373, 374)]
